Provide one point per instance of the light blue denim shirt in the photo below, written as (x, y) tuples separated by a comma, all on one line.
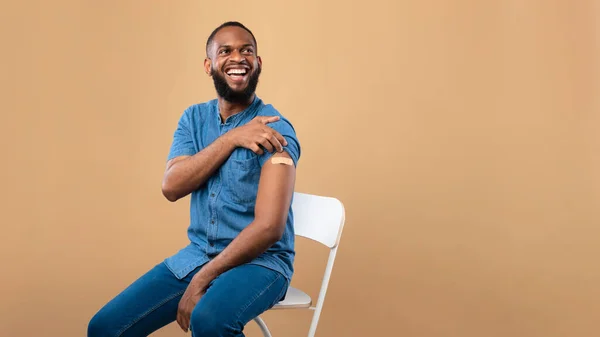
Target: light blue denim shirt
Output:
[(222, 207)]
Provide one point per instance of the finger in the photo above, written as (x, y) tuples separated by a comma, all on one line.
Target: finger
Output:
[(278, 135), (256, 149), (186, 322), (266, 143), (179, 320), (276, 143), (267, 120), (281, 139)]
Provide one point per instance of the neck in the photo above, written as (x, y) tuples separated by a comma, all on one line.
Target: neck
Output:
[(227, 108)]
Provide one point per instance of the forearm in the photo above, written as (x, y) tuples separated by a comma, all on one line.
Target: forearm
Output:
[(271, 211), (187, 175), (249, 244)]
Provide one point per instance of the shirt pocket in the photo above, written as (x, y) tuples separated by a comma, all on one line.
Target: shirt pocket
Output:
[(242, 176)]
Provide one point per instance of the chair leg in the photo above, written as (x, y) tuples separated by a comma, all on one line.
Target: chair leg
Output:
[(263, 327)]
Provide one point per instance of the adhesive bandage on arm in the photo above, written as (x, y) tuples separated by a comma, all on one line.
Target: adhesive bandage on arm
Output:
[(282, 160)]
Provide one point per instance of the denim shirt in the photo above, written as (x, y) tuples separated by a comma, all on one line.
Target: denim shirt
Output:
[(224, 205)]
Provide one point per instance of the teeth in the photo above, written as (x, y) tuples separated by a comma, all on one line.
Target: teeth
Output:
[(236, 71)]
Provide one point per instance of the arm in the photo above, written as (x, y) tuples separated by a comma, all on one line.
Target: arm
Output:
[(185, 174), (275, 190), (273, 200)]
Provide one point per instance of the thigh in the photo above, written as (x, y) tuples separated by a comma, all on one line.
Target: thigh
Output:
[(145, 306), (236, 297)]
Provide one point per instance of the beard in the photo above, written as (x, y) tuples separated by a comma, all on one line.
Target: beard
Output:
[(233, 96)]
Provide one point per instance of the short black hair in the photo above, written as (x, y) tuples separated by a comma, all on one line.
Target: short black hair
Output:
[(228, 24)]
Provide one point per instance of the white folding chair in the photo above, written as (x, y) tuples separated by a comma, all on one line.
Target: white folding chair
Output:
[(320, 219)]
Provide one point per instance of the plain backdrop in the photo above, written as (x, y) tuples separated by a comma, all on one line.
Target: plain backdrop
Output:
[(462, 137)]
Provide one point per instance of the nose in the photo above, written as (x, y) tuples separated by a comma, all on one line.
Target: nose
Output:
[(236, 56)]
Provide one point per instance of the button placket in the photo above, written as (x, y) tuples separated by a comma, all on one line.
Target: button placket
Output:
[(213, 220), (212, 227)]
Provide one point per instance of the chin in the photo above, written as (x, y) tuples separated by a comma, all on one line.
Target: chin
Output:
[(238, 85), (238, 89)]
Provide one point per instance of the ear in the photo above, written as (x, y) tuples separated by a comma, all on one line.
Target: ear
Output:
[(259, 60), (207, 65)]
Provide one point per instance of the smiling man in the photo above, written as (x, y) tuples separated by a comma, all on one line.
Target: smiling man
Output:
[(236, 156)]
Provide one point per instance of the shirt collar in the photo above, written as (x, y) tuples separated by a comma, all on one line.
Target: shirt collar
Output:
[(240, 115)]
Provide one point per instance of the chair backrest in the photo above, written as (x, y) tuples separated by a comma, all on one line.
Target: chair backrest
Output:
[(321, 219), (318, 218)]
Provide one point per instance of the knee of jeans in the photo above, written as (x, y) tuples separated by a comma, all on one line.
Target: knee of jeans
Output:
[(99, 326), (210, 323)]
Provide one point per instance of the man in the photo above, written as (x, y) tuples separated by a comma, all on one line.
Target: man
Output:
[(237, 158)]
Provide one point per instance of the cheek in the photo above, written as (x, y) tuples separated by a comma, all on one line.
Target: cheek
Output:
[(214, 68)]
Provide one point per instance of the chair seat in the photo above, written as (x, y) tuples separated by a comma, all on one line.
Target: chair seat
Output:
[(294, 298)]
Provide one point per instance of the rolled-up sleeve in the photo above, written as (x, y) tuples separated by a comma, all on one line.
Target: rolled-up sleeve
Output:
[(183, 141), (285, 128)]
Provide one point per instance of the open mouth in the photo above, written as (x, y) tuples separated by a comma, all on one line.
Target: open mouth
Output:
[(237, 74)]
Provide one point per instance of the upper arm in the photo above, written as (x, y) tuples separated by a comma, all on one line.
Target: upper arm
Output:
[(276, 185), (275, 190), (183, 140), (182, 145)]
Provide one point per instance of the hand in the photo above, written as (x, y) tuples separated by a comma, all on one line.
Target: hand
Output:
[(188, 301), (256, 133)]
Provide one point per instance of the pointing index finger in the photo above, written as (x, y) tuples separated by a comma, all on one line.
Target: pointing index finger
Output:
[(271, 119)]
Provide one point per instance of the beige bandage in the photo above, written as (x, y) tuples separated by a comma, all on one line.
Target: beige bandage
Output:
[(282, 160)]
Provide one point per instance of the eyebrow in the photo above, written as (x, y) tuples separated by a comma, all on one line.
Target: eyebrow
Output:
[(229, 46)]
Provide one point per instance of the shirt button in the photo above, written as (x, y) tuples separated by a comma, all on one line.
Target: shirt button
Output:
[(212, 221), (212, 195), (212, 244)]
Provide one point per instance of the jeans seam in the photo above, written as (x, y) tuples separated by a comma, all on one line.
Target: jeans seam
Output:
[(283, 290), (149, 311), (243, 309)]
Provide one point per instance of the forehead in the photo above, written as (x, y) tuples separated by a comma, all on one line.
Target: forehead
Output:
[(232, 36)]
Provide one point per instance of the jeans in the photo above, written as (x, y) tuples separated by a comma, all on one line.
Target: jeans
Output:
[(231, 301)]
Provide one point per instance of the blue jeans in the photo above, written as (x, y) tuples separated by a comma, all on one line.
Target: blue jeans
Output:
[(231, 301)]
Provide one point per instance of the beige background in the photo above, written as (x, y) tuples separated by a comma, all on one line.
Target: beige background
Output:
[(461, 136)]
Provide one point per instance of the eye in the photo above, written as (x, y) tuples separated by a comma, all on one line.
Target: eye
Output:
[(248, 51), (223, 51)]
